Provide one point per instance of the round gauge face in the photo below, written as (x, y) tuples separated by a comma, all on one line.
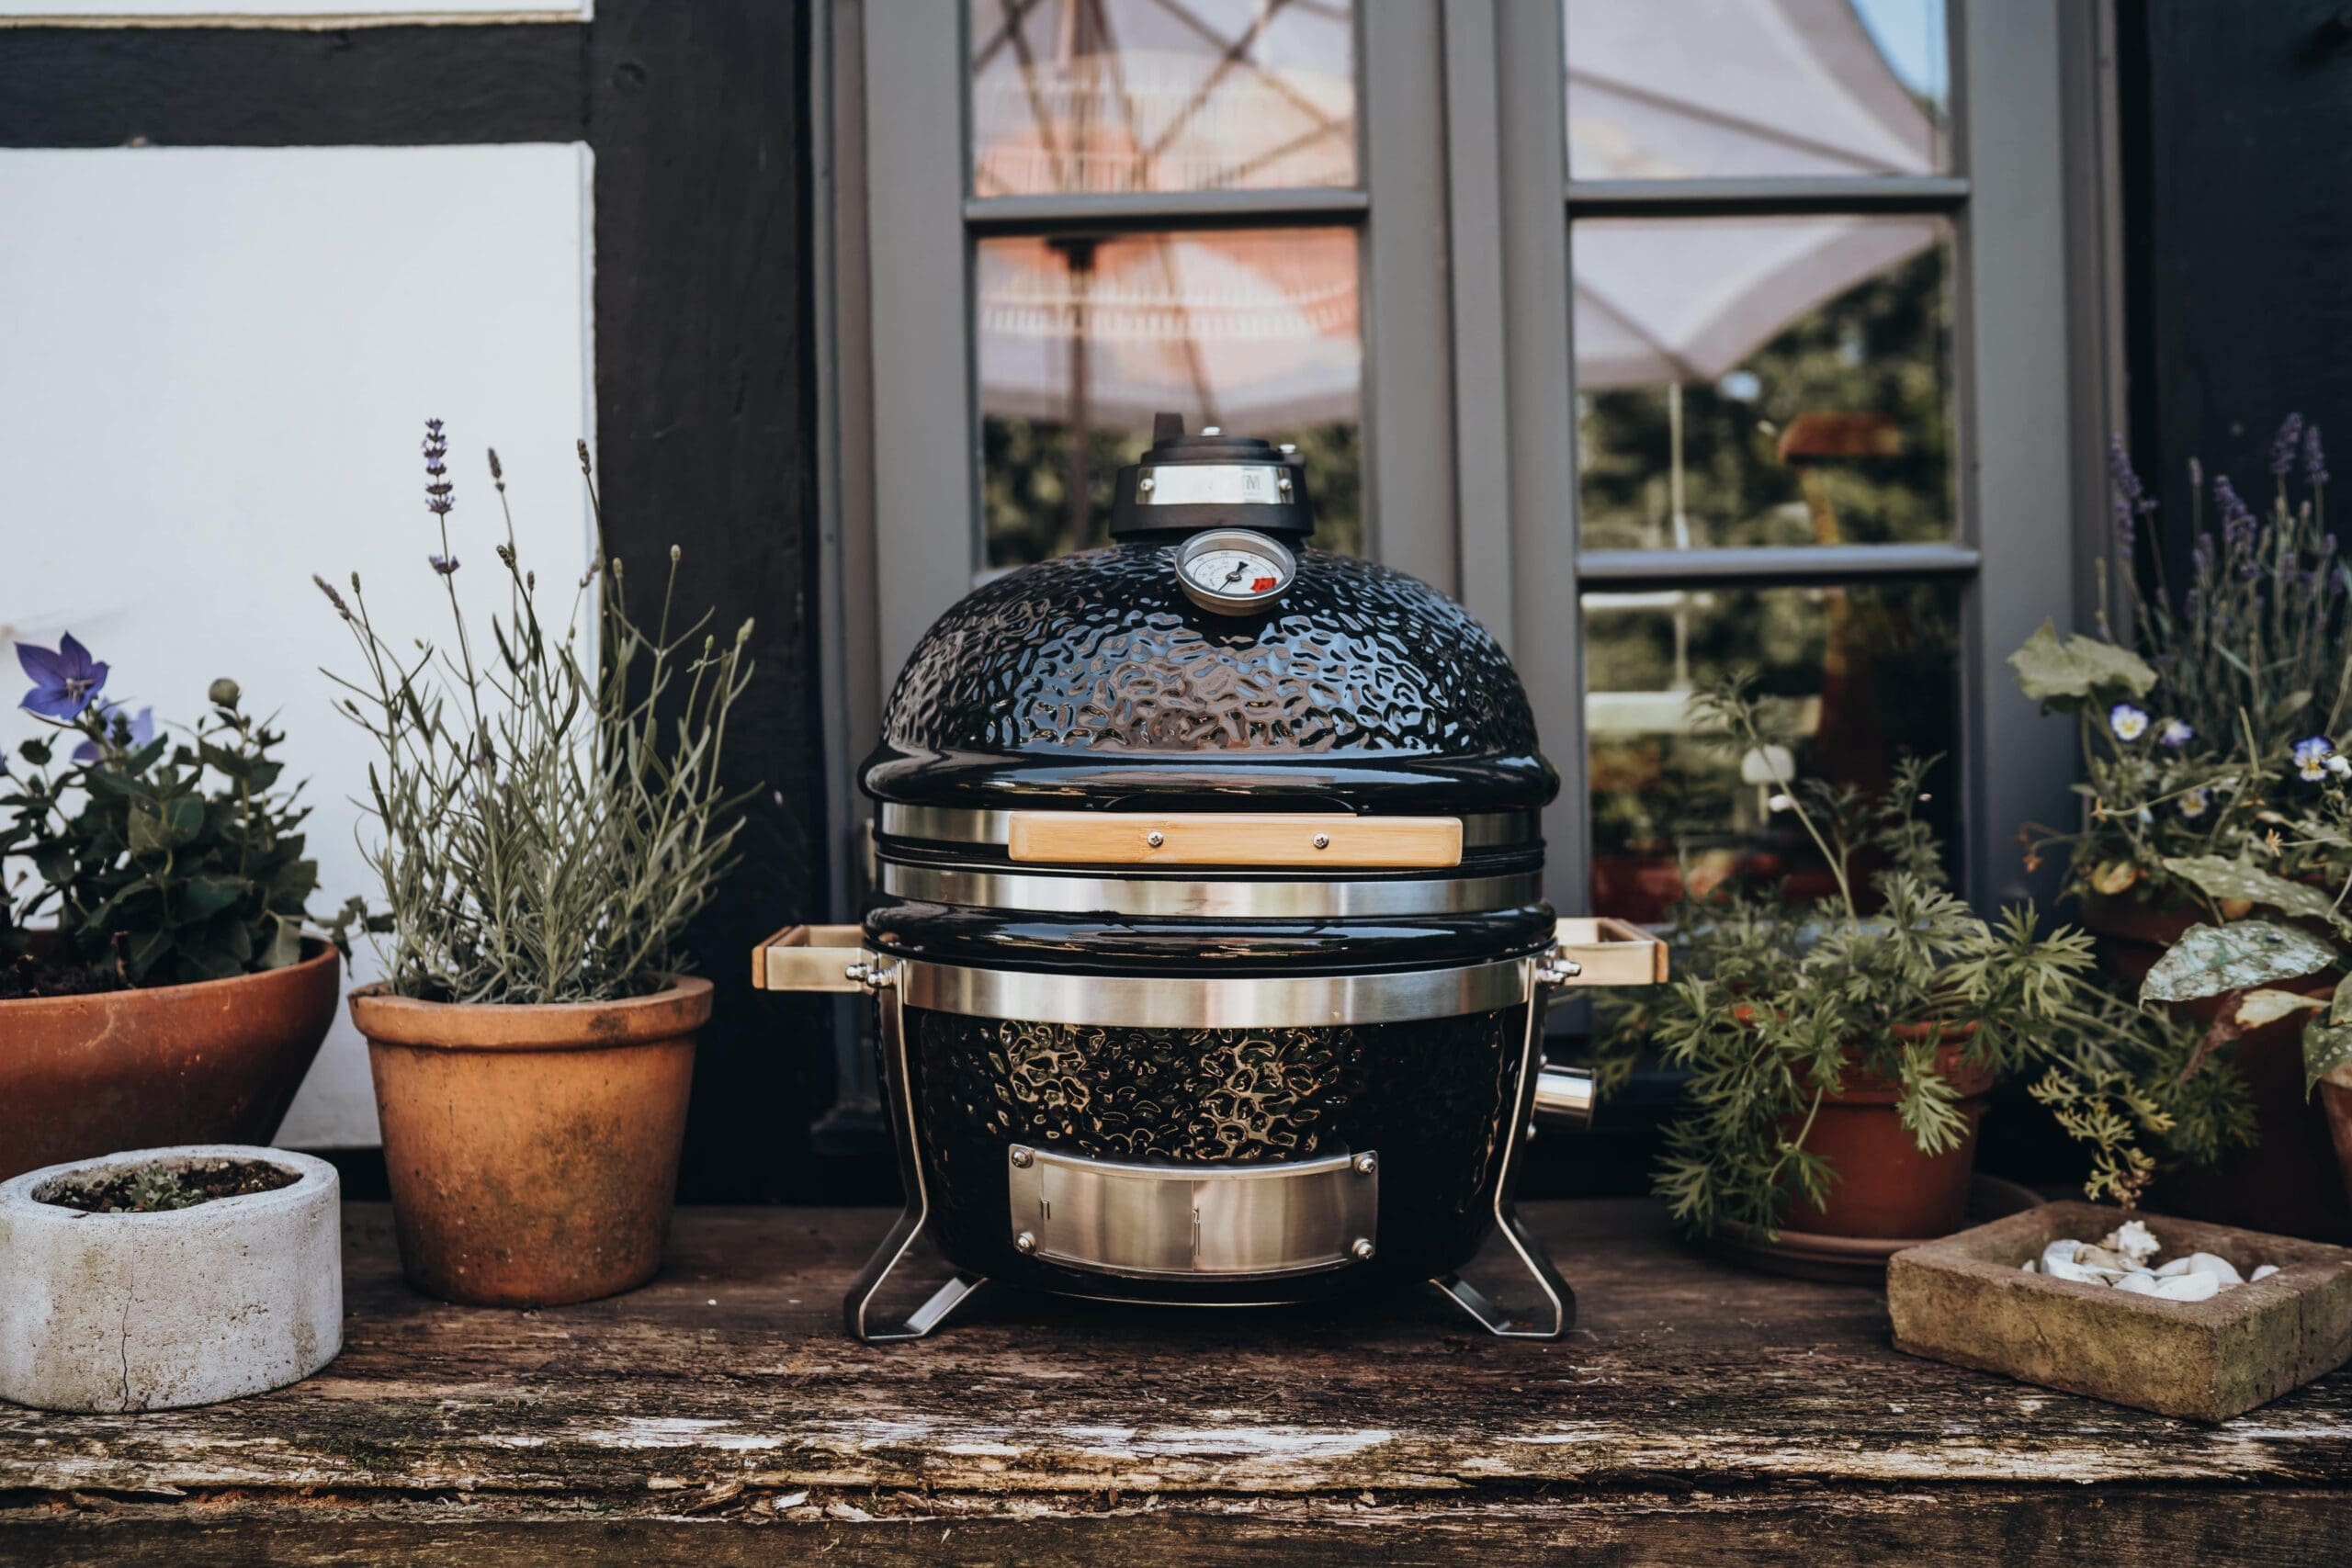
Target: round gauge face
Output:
[(1235, 571)]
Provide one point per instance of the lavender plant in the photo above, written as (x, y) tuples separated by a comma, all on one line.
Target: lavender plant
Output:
[(156, 861), (552, 815), (2206, 720)]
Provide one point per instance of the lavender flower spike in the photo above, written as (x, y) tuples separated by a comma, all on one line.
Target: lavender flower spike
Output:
[(2315, 460), (2284, 444), (64, 681), (438, 491), (2237, 522), (445, 565)]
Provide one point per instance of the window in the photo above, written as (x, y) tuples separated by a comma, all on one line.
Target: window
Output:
[(1669, 336)]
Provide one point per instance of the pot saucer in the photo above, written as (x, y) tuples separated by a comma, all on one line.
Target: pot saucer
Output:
[(1861, 1261)]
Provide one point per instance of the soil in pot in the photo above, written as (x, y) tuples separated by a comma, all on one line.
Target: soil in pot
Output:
[(159, 1066), (2289, 1182), (155, 1190), (1884, 1186), (532, 1151)]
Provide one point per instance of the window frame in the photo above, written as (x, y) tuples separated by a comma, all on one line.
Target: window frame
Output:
[(1464, 209)]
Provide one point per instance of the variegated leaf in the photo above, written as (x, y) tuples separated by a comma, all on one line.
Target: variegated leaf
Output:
[(2077, 670), (2340, 1009), (2231, 879), (2208, 960), (2327, 1046), (2258, 1008)]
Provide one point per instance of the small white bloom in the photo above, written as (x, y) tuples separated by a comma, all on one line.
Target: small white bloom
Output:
[(2194, 804), (2340, 765), (2128, 722)]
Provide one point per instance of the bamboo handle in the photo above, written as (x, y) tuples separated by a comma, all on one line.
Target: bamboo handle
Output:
[(1233, 839), (1610, 952), (810, 958)]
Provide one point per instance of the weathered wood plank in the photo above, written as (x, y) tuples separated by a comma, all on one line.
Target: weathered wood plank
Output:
[(2060, 1527), (728, 1378)]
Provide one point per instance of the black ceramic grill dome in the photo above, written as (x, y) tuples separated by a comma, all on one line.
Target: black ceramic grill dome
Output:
[(1092, 680), (1207, 917)]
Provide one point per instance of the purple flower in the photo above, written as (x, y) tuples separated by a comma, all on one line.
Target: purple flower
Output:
[(2176, 733), (445, 565), (2202, 555), (66, 681), (122, 735), (2237, 522), (2311, 755), (2128, 722), (437, 488), (2314, 461), (2284, 444)]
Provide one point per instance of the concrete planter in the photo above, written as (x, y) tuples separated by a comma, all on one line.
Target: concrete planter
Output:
[(128, 1311), (1965, 1300)]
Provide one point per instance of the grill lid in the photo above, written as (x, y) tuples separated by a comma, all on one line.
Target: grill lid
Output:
[(1109, 679)]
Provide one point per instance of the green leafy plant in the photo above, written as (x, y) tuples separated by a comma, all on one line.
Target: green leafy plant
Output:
[(157, 861), (1776, 1003), (551, 818)]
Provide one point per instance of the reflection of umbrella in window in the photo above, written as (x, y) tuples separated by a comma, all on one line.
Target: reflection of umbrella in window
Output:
[(1100, 96), (1161, 94)]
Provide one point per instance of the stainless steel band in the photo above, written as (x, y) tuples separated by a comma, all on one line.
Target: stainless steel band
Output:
[(956, 825), (1228, 900), (1266, 1002)]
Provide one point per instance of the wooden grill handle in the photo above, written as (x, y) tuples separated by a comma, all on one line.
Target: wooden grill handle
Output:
[(1293, 839)]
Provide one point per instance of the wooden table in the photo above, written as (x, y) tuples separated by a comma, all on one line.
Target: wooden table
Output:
[(719, 1416)]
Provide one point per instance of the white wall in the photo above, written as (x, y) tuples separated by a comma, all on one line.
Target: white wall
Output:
[(214, 367)]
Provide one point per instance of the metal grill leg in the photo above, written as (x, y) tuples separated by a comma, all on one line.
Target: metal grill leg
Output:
[(1513, 1259), (905, 1253)]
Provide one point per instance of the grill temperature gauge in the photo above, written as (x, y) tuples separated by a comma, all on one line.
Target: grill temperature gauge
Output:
[(1234, 571)]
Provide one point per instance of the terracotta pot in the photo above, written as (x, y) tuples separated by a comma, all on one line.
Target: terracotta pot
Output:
[(1883, 1186), (2288, 1182), (216, 1062), (2335, 1103), (533, 1151)]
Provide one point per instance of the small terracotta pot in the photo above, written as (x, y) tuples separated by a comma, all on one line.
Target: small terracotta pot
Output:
[(1882, 1185), (2335, 1103), (2288, 1183), (533, 1151), (215, 1062)]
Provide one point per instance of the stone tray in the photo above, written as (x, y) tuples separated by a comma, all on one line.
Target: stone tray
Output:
[(1965, 1300)]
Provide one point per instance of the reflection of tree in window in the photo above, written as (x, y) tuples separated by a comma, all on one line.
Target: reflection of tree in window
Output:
[(1881, 347)]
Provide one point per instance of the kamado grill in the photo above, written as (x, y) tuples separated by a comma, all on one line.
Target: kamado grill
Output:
[(1209, 942)]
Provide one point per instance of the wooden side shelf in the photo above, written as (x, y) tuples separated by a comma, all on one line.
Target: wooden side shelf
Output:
[(719, 1416)]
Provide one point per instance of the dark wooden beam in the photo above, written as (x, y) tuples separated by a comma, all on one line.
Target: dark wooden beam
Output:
[(706, 426), (215, 87)]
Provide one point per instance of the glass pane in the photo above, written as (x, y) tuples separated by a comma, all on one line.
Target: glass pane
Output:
[(1161, 94), (1763, 381), (1722, 89), (1858, 676), (1082, 341)]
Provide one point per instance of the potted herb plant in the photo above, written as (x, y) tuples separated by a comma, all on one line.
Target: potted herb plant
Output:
[(550, 817), (156, 986), (1840, 1051), (2207, 724)]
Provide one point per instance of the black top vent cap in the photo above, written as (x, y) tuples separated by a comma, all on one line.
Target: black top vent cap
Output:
[(1232, 478)]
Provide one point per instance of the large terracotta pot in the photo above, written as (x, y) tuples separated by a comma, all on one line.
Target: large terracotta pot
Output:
[(216, 1062), (2288, 1182), (533, 1151), (1883, 1186)]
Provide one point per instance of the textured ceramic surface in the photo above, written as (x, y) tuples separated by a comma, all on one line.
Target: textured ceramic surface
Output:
[(189, 1307), (1099, 656), (1430, 1097)]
